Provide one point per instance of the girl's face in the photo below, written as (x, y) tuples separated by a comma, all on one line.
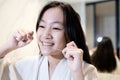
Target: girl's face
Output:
[(50, 34)]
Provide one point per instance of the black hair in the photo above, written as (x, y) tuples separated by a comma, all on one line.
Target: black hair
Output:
[(104, 57)]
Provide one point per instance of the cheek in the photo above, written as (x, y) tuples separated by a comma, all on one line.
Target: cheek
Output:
[(38, 35), (60, 39)]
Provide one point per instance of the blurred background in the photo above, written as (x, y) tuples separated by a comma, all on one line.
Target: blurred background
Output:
[(98, 18)]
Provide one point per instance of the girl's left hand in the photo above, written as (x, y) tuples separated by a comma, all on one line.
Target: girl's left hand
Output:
[(74, 57)]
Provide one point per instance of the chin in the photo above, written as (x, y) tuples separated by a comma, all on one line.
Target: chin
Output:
[(45, 53)]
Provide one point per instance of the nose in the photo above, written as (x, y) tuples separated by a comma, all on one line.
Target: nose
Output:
[(47, 33)]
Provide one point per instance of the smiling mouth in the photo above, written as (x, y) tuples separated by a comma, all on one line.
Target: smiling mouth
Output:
[(47, 44)]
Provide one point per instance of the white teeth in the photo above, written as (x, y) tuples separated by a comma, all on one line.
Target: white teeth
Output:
[(47, 44)]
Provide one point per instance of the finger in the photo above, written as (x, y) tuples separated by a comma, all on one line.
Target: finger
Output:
[(68, 55), (28, 41), (30, 35), (23, 35), (72, 43), (74, 53), (21, 43), (31, 32), (17, 36), (64, 50)]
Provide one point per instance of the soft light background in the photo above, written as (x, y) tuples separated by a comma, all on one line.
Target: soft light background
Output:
[(19, 14), (22, 14)]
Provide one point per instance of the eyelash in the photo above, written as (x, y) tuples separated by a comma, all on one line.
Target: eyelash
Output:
[(41, 26), (53, 28), (56, 28)]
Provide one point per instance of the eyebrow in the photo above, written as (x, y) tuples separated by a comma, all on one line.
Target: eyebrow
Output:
[(58, 22)]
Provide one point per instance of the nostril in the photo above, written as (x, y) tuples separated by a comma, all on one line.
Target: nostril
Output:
[(47, 36)]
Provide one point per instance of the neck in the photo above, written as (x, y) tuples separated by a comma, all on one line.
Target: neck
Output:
[(52, 63)]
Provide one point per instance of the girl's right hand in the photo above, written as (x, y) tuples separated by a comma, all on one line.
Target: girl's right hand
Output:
[(19, 39)]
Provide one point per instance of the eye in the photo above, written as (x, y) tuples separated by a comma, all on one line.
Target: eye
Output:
[(41, 26), (55, 28)]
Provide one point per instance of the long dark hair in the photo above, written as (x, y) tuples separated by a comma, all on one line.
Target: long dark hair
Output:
[(73, 28), (104, 58)]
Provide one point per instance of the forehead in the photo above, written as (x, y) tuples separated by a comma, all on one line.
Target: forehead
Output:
[(53, 14)]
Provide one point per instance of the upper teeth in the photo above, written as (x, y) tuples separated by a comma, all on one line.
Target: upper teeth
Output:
[(47, 44)]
